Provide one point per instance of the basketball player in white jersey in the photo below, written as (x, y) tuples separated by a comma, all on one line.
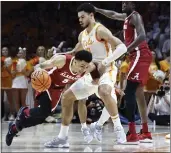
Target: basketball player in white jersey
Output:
[(105, 49)]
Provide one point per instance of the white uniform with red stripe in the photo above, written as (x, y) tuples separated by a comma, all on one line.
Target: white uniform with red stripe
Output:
[(100, 50)]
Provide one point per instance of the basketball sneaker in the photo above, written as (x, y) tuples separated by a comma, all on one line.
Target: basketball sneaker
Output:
[(87, 135), (11, 133), (20, 118), (132, 137), (119, 135), (145, 137), (96, 130), (57, 143)]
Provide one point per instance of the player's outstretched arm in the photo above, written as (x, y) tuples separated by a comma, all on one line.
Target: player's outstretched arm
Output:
[(117, 45), (137, 22), (111, 14), (56, 61)]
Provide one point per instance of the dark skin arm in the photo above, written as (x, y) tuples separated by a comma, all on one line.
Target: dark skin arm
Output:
[(111, 14), (137, 22)]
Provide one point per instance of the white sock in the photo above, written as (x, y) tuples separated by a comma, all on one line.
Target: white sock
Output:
[(63, 132), (84, 125), (104, 117), (116, 120)]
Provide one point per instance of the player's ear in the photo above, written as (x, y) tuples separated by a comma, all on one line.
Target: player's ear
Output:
[(92, 15)]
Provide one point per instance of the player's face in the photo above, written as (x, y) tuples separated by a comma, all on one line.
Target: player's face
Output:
[(84, 18), (126, 6), (41, 51), (81, 66), (4, 51)]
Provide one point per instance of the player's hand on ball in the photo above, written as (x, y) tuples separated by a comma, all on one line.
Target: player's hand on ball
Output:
[(40, 80)]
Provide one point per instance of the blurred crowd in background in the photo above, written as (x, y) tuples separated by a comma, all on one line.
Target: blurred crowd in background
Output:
[(32, 32)]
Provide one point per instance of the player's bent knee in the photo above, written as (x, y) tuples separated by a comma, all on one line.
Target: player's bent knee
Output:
[(104, 92), (67, 99)]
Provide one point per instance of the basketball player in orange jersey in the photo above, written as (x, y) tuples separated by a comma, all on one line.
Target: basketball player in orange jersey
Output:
[(140, 60), (65, 69), (105, 49)]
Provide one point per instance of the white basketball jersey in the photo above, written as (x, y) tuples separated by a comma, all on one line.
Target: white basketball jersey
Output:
[(99, 49)]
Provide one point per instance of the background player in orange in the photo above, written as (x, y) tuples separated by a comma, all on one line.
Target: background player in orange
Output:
[(140, 60), (65, 69), (6, 81)]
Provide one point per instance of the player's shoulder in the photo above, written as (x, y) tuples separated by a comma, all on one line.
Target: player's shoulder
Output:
[(135, 15), (102, 31), (101, 28)]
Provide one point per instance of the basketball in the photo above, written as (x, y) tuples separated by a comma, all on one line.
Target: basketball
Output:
[(40, 80)]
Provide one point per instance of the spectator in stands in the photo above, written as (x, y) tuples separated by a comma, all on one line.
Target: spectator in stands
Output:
[(153, 84), (94, 108), (159, 106), (20, 70), (6, 82), (41, 53)]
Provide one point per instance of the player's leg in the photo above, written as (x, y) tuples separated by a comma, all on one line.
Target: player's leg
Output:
[(134, 91), (29, 117), (82, 112), (142, 104), (130, 98), (107, 94), (61, 141), (77, 91)]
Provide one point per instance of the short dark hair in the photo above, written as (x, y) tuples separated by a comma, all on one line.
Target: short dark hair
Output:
[(83, 55), (86, 7)]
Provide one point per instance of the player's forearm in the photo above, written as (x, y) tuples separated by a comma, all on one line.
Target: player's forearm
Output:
[(118, 52), (136, 42), (46, 65), (106, 13)]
